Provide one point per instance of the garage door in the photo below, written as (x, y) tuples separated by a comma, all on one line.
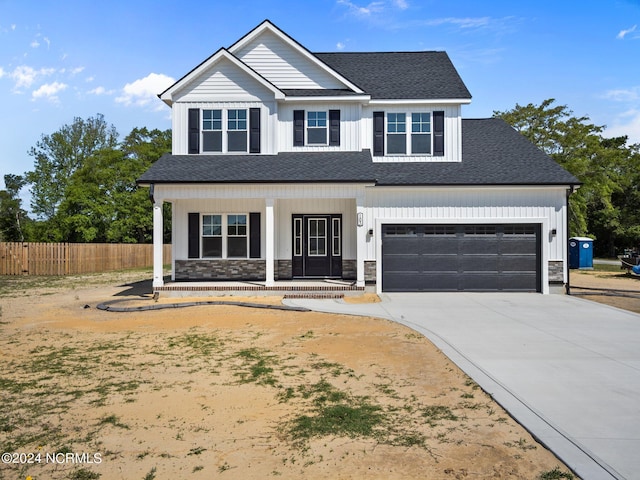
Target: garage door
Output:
[(461, 258)]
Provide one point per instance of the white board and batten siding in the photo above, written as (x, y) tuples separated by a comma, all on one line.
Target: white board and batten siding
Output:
[(283, 65), (349, 126), (452, 130), (268, 123), (468, 205)]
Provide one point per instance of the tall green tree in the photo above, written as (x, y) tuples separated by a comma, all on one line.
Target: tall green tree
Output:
[(102, 202), (59, 155), (602, 164), (13, 218)]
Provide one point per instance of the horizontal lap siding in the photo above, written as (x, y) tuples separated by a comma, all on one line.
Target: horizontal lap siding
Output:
[(283, 65)]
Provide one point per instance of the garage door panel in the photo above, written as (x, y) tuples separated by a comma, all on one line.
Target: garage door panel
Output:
[(460, 257)]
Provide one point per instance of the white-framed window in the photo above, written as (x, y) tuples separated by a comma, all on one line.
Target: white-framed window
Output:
[(224, 130), (420, 132), (225, 236), (212, 130), (212, 236), (237, 130), (401, 140), (337, 241), (396, 133), (317, 127)]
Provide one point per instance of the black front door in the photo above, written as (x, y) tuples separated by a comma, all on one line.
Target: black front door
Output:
[(317, 245)]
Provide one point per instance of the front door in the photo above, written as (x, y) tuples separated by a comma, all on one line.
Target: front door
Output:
[(317, 245)]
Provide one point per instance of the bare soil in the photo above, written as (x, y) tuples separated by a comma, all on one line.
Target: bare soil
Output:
[(615, 288), (240, 393)]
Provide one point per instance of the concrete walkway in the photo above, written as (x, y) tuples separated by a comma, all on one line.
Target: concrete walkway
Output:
[(566, 368)]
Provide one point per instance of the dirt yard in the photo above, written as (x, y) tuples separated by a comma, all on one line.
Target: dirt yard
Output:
[(239, 393)]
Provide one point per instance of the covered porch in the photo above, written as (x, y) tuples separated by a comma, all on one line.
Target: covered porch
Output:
[(259, 236)]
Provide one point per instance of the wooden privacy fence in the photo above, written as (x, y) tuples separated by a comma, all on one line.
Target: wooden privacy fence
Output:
[(72, 258)]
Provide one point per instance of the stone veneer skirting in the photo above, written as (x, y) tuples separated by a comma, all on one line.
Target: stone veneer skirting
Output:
[(370, 271), (243, 269), (220, 269), (556, 271)]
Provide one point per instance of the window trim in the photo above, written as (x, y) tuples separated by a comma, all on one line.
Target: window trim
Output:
[(308, 127), (225, 129), (225, 235), (408, 132)]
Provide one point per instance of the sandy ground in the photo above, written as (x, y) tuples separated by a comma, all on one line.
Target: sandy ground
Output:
[(616, 288), (239, 393)]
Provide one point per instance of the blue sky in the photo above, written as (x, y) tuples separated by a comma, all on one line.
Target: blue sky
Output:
[(61, 59)]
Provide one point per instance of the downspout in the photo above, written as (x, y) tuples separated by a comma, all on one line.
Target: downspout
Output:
[(151, 189), (570, 190)]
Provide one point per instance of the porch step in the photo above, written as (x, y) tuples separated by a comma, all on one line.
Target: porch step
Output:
[(315, 295)]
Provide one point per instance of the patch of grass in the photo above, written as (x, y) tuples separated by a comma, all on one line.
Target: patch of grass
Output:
[(151, 474), (257, 367), (84, 474), (436, 413), (200, 344), (521, 444), (114, 421), (556, 474), (361, 420), (196, 451)]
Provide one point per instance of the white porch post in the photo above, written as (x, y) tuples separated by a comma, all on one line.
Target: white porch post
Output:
[(361, 240), (158, 281), (269, 242)]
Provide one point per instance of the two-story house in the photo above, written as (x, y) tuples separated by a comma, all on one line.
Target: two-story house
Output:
[(290, 164)]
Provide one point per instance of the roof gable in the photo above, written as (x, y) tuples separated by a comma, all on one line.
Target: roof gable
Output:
[(285, 62), (211, 67)]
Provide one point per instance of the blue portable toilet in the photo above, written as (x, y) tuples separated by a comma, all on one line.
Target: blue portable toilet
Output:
[(580, 252)]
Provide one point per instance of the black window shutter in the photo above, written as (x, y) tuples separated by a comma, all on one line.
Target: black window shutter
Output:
[(194, 130), (254, 130), (298, 128), (438, 134), (378, 134), (194, 235), (334, 127), (254, 235)]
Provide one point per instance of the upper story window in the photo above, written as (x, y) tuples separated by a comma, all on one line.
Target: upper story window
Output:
[(396, 133), (237, 130), (408, 133), (212, 130), (420, 133), (224, 130), (317, 128)]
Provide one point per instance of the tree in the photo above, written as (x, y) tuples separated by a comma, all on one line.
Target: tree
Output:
[(13, 218), (602, 164), (102, 202), (59, 155)]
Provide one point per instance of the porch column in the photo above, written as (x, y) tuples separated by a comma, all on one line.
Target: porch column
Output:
[(157, 244), (361, 240), (269, 242)]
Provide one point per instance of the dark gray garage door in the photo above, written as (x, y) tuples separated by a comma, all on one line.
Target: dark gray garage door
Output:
[(461, 257)]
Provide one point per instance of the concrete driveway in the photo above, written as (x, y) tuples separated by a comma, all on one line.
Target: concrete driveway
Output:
[(566, 368)]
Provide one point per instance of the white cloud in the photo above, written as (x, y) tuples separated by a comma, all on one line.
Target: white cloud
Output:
[(144, 91), (623, 95), (627, 123), (49, 91), (467, 22), (364, 11), (24, 76), (35, 44), (624, 33), (100, 91), (401, 4), (339, 46)]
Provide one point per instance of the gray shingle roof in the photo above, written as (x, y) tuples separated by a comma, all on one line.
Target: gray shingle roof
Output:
[(493, 154), (400, 75)]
